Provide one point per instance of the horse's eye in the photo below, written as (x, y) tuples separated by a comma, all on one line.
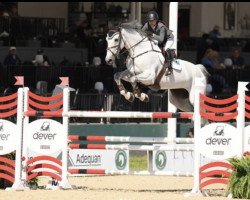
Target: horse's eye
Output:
[(116, 40)]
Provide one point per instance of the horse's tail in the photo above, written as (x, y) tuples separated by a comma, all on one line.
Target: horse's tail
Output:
[(204, 70), (205, 74)]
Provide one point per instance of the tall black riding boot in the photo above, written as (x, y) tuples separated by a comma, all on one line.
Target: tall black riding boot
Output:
[(169, 60)]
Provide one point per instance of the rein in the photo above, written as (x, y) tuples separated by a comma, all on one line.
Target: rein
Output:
[(143, 52)]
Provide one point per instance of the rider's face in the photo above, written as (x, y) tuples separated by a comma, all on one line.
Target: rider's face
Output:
[(152, 22)]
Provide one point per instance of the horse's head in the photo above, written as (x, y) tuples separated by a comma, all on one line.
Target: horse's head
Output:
[(114, 46)]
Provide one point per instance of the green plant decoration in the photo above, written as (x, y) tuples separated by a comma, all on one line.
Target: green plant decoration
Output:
[(239, 181)]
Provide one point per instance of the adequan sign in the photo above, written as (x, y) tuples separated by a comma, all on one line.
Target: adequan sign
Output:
[(115, 160), (174, 160)]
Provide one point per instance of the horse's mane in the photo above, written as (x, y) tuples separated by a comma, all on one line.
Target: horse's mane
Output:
[(134, 25)]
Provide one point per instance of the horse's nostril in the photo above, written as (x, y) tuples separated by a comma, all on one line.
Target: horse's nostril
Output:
[(110, 61)]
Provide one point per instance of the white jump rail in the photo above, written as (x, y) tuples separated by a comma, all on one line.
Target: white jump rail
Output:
[(92, 138), (127, 114)]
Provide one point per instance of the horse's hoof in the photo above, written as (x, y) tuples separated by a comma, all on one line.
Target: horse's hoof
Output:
[(122, 92), (143, 97), (146, 99), (130, 97), (137, 95)]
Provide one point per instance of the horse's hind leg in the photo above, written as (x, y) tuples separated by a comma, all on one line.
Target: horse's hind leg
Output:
[(180, 98), (117, 77), (192, 98)]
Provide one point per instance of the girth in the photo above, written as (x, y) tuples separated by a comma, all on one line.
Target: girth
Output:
[(156, 85)]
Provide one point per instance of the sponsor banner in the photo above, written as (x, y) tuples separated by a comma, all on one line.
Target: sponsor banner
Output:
[(8, 136), (173, 160), (247, 138), (176, 161), (45, 136), (218, 141), (99, 159)]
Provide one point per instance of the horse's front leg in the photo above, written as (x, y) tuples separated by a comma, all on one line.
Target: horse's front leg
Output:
[(123, 75)]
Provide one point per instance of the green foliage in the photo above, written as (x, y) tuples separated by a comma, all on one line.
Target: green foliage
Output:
[(138, 163), (10, 156), (239, 181)]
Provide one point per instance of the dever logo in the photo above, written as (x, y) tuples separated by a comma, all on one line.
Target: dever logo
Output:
[(218, 138), (219, 131), (1, 126), (45, 126)]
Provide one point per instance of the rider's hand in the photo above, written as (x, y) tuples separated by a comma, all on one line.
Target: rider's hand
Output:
[(149, 34)]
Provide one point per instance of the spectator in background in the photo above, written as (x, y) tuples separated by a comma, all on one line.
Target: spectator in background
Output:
[(12, 57), (215, 33), (216, 80), (218, 84), (65, 62), (99, 88), (13, 11), (5, 13), (100, 91), (237, 60), (206, 42), (247, 47), (202, 46), (78, 33), (210, 59), (40, 59)]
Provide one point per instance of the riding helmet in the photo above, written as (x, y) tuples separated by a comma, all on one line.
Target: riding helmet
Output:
[(152, 15)]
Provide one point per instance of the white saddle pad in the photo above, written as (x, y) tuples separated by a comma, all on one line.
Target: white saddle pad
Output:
[(176, 64)]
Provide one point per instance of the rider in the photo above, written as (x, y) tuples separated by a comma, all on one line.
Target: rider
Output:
[(156, 29)]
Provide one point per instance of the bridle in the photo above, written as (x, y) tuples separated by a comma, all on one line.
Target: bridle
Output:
[(116, 55)]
